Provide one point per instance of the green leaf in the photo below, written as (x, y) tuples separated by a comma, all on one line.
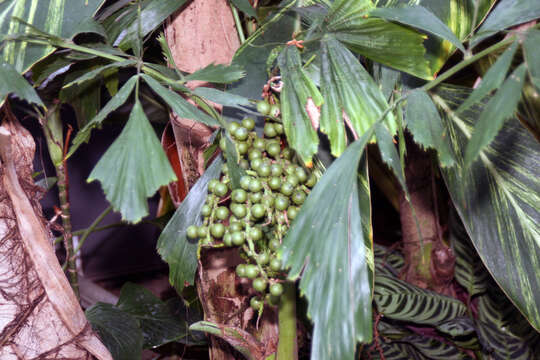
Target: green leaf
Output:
[(298, 93), (333, 256), (507, 13), (123, 26), (121, 96), (457, 327), (388, 262), (245, 7), (233, 159), (158, 324), (93, 75), (501, 344), (390, 44), (174, 247), (390, 155), (532, 55), (424, 122), (118, 330), (493, 78), (469, 271), (133, 168), (497, 199), (178, 104), (13, 83), (219, 74), (59, 17), (420, 18), (500, 108), (223, 98), (348, 89), (400, 300)]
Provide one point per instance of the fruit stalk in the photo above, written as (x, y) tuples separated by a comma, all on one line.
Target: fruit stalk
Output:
[(287, 343)]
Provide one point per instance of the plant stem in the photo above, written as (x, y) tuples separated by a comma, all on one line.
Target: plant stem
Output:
[(92, 228), (238, 24), (287, 344), (101, 228)]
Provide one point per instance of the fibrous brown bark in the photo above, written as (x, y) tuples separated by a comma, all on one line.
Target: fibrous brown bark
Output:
[(40, 317), (430, 262), (201, 34)]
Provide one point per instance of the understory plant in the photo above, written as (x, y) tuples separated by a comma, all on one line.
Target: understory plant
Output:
[(431, 106)]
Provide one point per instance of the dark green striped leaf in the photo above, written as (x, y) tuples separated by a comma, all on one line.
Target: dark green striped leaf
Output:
[(493, 78), (532, 55), (118, 330), (13, 83), (420, 18), (400, 300), (121, 96), (500, 108), (501, 345), (174, 247), (390, 44), (424, 122), (457, 327), (178, 104), (507, 13), (469, 271), (56, 17), (388, 262), (133, 168), (298, 94), (333, 256), (349, 92), (497, 199)]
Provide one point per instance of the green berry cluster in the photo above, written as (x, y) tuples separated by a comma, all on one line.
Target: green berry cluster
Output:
[(256, 216)]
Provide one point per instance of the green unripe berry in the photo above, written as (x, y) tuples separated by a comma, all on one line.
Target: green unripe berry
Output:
[(248, 123), (222, 213), (217, 230), (311, 181), (236, 226), (274, 183), (241, 133), (244, 164), (292, 212), (257, 211), (239, 195), (206, 210), (275, 264), (281, 203), (263, 258), (301, 175), (276, 289), (268, 202), (202, 231), (269, 130), (245, 181), (279, 129), (276, 169), (254, 154), (252, 271), (287, 153), (255, 197), (238, 238), (275, 110), (255, 233), (292, 179), (286, 188), (256, 163), (192, 232), (221, 189), (255, 185), (239, 210), (274, 244), (233, 126), (227, 239), (241, 270), (273, 149), (264, 170), (299, 197), (242, 148), (259, 284), (263, 107), (212, 185), (259, 144), (256, 303), (222, 144)]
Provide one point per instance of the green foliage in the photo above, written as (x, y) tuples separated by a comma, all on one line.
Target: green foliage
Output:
[(14, 83), (532, 55), (332, 255), (219, 74), (497, 200), (133, 168), (173, 245)]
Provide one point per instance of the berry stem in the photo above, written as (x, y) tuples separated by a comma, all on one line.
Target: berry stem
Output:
[(287, 344)]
